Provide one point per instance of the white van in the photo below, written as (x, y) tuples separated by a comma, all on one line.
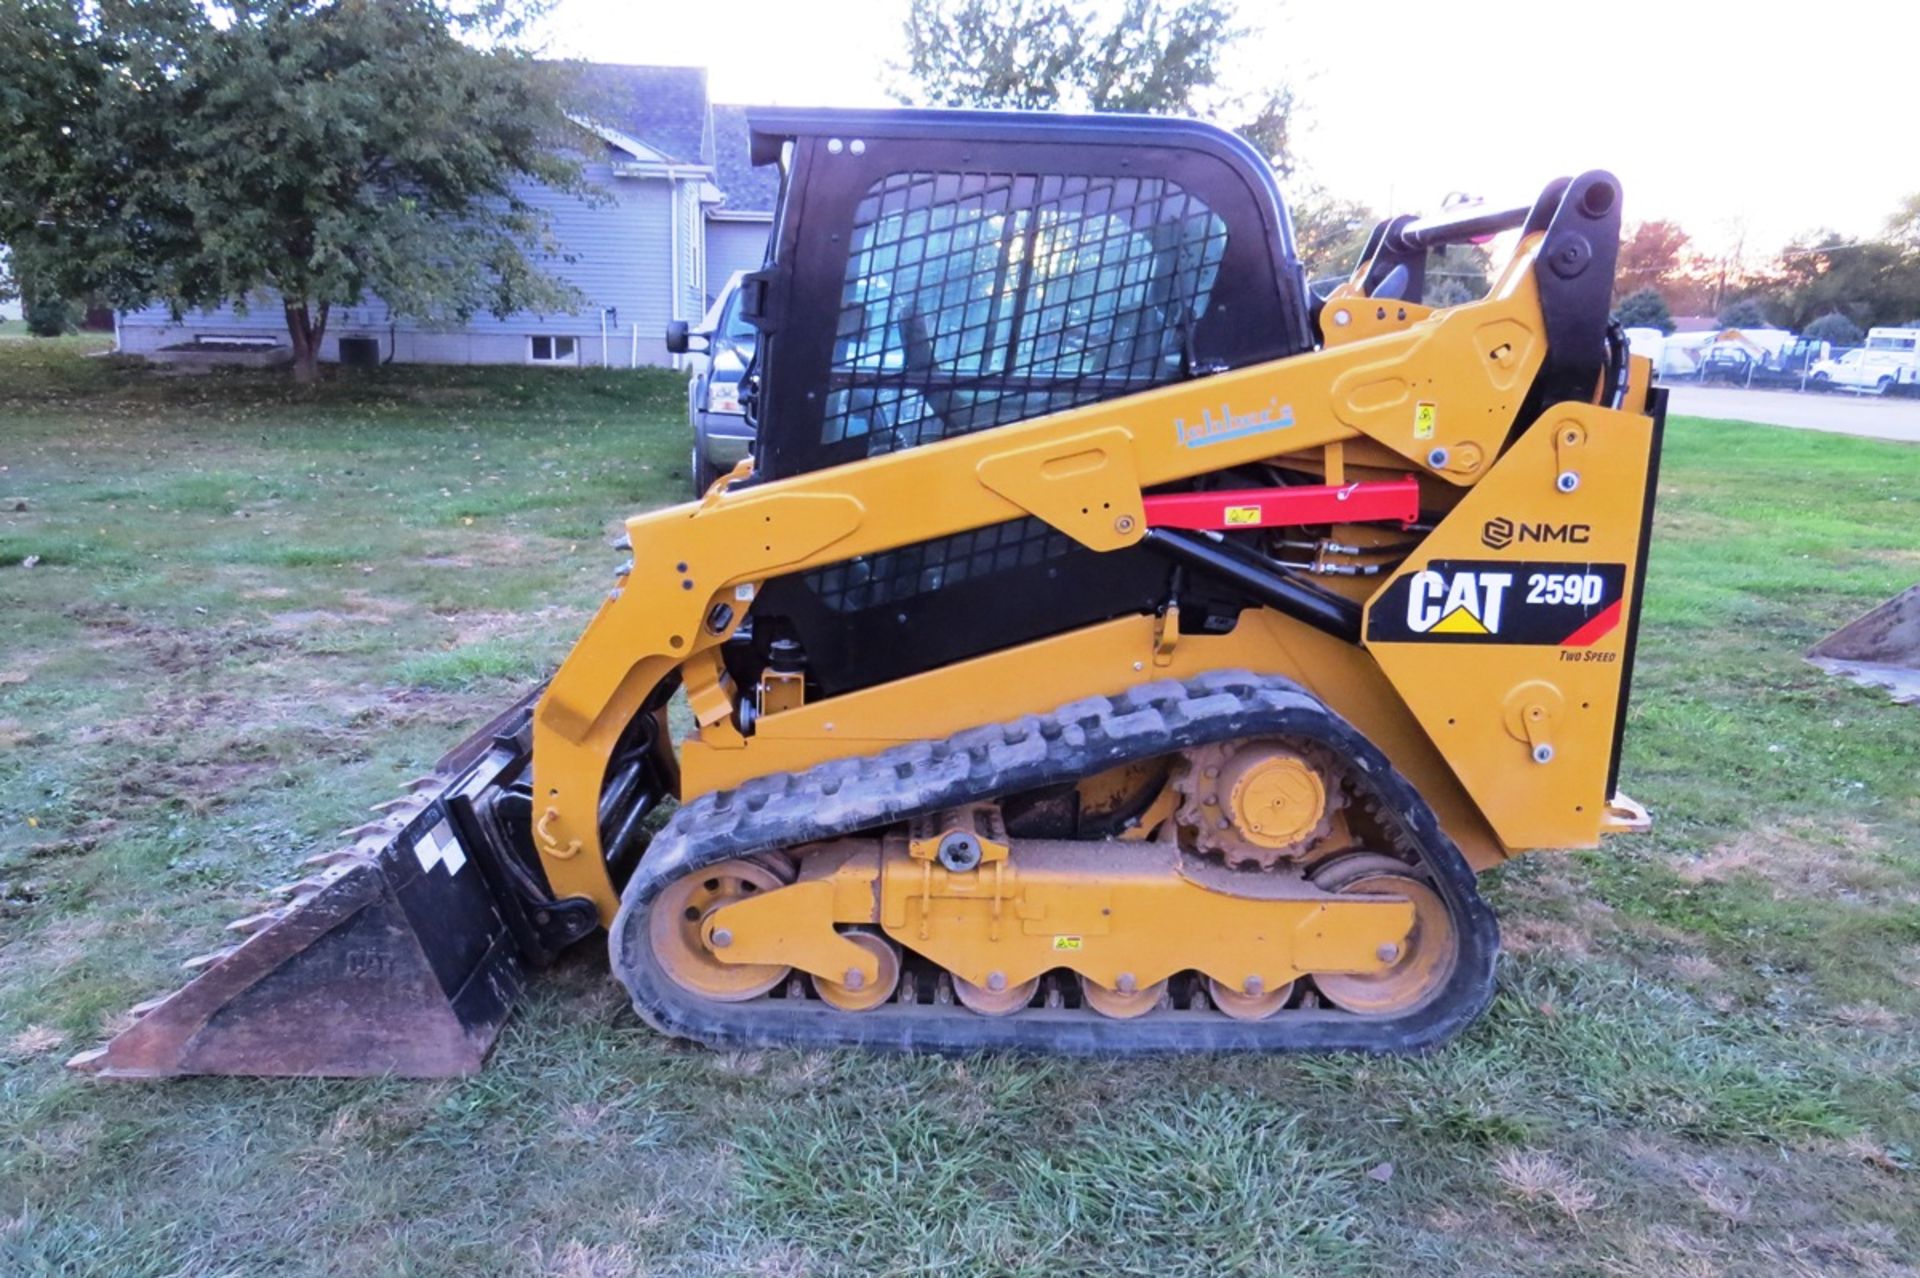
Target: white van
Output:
[(1898, 348), (1889, 361)]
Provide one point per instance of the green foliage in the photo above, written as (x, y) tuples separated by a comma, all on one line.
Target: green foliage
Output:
[(1329, 232), (1159, 57), (1748, 312), (1836, 329), (1868, 281), (1456, 274), (1644, 309), (326, 152), (48, 315)]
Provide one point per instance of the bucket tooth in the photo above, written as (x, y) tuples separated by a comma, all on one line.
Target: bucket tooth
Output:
[(142, 1008), (300, 888), (409, 803), (339, 856), (384, 826), (201, 961), (254, 922)]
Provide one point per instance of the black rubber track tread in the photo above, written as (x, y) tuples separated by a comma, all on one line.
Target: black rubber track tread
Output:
[(782, 810)]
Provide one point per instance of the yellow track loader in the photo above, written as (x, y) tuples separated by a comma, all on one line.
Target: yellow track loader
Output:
[(1113, 645)]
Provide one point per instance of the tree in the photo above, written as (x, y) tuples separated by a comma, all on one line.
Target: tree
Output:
[(1455, 274), (1748, 312), (1869, 281), (1329, 233), (1160, 57), (46, 312), (321, 150), (1650, 254), (1644, 309), (1021, 54), (1903, 228), (1836, 329)]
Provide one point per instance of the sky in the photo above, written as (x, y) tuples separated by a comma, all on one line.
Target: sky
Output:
[(1746, 122)]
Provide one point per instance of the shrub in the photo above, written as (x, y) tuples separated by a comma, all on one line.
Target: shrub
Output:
[(1836, 329), (1644, 309), (49, 316), (1745, 313)]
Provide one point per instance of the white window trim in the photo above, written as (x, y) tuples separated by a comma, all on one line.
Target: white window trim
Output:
[(571, 361)]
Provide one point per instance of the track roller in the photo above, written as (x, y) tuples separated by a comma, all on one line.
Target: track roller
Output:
[(1123, 1004), (856, 994), (988, 1001)]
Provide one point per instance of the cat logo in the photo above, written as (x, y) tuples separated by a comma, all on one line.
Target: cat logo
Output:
[(1467, 603), (1477, 601)]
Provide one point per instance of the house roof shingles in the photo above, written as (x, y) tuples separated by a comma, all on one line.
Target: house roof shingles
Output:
[(750, 188), (664, 107)]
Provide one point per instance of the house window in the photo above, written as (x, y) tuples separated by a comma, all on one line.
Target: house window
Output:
[(554, 350)]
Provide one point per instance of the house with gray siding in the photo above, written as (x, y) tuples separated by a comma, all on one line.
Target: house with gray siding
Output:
[(737, 228), (681, 207)]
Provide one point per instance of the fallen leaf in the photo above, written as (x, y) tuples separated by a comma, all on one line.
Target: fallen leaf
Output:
[(31, 561), (12, 676), (1383, 1173)]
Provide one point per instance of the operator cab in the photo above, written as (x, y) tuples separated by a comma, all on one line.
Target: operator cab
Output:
[(936, 273)]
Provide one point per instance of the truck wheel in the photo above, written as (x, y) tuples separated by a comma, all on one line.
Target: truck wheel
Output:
[(702, 472), (1883, 386)]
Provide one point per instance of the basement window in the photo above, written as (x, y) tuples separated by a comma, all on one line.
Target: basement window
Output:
[(553, 350)]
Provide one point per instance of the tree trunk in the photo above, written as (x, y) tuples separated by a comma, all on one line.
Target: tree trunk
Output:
[(307, 329), (306, 348)]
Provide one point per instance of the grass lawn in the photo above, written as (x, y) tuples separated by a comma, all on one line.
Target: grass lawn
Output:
[(253, 612)]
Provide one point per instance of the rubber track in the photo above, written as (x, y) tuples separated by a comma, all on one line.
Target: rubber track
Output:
[(845, 796)]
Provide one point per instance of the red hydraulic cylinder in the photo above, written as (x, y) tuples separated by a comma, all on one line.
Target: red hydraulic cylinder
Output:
[(1353, 503)]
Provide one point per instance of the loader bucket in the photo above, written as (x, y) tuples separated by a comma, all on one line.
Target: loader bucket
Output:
[(1880, 649), (395, 957)]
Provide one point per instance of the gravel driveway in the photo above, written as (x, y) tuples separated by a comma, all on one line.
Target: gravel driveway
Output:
[(1891, 417)]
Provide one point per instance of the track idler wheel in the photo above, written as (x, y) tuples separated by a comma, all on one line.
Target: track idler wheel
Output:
[(674, 931), (855, 994), (1121, 1005), (1419, 967)]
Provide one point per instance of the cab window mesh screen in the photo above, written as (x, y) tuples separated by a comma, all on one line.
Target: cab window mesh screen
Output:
[(976, 299)]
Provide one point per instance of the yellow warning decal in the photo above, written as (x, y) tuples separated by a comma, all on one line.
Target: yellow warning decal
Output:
[(1243, 514), (1066, 942), (1425, 414)]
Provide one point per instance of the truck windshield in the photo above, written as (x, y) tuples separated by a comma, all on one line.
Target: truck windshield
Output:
[(733, 329)]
